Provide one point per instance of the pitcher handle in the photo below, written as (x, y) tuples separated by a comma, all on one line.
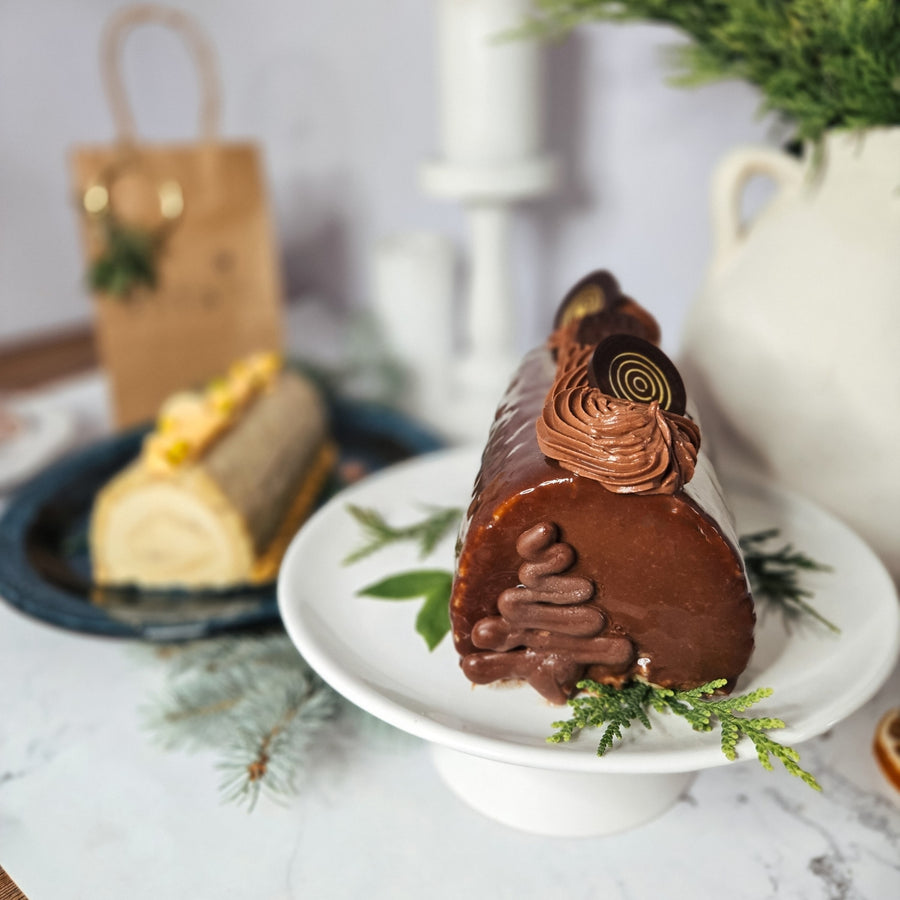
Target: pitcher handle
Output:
[(728, 183)]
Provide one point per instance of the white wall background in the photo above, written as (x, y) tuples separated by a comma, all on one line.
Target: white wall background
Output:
[(341, 96)]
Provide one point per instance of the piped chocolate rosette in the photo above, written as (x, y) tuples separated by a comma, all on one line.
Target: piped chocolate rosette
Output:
[(585, 552), (619, 419)]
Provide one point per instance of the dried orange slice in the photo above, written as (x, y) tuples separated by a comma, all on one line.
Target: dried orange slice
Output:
[(887, 746)]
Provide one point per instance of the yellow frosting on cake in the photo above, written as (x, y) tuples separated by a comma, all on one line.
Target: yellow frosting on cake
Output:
[(191, 421)]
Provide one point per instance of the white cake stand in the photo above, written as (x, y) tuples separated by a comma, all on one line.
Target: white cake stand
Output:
[(489, 743)]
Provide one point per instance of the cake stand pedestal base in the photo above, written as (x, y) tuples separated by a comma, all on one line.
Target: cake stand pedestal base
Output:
[(557, 803)]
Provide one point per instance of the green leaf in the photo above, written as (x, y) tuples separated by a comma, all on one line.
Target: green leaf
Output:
[(433, 620), (408, 585)]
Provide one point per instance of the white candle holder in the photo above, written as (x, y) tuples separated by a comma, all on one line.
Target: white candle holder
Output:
[(491, 115)]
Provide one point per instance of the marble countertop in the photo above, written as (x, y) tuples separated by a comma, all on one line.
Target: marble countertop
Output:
[(92, 807)]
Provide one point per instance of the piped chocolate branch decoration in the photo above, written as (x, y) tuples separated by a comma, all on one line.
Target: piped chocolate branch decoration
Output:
[(547, 632), (629, 368)]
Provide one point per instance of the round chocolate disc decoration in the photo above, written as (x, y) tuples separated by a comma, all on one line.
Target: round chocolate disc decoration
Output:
[(630, 368), (587, 302), (595, 293)]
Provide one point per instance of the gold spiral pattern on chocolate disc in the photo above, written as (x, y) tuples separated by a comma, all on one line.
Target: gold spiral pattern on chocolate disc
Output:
[(627, 367), (634, 376)]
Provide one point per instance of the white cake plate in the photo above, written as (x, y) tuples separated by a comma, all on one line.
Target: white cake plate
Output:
[(489, 743)]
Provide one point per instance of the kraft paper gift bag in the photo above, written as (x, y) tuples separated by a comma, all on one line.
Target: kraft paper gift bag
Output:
[(179, 241)]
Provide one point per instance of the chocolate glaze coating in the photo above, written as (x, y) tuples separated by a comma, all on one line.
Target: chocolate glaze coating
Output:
[(665, 575)]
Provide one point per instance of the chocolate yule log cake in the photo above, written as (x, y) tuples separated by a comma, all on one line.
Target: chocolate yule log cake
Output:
[(597, 543)]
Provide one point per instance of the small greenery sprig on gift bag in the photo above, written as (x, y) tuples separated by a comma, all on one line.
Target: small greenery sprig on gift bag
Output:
[(818, 63), (130, 252), (616, 708), (250, 698), (128, 260)]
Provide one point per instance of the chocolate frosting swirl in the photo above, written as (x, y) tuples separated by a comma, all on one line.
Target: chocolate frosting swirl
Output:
[(629, 447)]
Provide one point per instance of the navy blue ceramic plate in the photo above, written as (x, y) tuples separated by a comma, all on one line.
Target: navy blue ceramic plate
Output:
[(44, 565)]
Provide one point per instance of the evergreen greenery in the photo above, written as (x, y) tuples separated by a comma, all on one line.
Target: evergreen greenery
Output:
[(616, 708), (127, 261), (379, 534), (773, 577), (818, 63), (250, 698)]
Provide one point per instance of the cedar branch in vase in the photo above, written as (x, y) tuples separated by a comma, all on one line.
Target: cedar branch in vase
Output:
[(820, 64)]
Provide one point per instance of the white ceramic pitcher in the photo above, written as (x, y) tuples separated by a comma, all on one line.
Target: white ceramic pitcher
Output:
[(792, 349)]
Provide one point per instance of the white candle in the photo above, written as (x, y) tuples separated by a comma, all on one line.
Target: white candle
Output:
[(490, 91)]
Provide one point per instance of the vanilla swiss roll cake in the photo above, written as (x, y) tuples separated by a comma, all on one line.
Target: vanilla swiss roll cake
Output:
[(597, 543), (220, 485)]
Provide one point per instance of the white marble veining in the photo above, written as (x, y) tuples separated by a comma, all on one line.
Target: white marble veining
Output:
[(91, 808)]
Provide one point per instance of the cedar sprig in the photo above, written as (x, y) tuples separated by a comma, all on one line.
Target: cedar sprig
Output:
[(378, 534), (614, 709), (773, 576), (818, 63)]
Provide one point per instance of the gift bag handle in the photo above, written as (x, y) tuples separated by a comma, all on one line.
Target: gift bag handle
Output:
[(201, 51)]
